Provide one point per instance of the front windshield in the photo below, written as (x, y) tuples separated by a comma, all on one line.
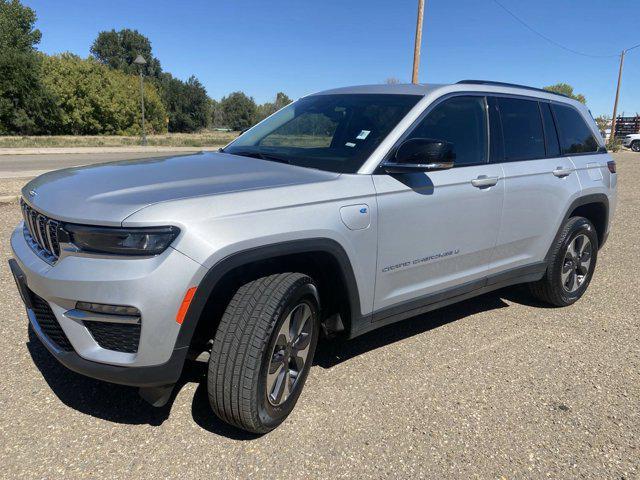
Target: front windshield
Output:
[(328, 132)]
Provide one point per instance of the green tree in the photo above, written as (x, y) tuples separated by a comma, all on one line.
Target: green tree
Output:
[(118, 49), (603, 122), (216, 115), (268, 108), (96, 100), (25, 105), (239, 110), (16, 26), (566, 89), (187, 103)]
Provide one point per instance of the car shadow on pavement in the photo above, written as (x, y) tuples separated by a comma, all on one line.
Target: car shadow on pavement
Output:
[(108, 401), (331, 353), (121, 404)]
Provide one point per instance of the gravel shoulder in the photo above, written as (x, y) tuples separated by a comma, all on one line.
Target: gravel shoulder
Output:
[(494, 387)]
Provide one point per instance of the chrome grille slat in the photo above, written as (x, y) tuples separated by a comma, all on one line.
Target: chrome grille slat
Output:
[(41, 223), (47, 232), (53, 234), (41, 232), (30, 221)]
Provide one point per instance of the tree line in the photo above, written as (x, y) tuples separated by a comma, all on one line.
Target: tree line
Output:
[(100, 95)]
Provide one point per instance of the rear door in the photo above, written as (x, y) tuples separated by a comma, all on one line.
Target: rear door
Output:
[(579, 143), (540, 182), (437, 230)]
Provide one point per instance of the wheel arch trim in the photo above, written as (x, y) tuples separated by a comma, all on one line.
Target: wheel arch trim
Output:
[(597, 198), (245, 257)]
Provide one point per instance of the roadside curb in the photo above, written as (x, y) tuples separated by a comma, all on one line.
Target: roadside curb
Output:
[(131, 149), (9, 199)]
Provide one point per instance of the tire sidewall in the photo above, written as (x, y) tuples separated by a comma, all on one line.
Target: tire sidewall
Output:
[(635, 146), (269, 415), (581, 226)]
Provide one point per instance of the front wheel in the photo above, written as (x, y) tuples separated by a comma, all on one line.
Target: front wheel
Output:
[(263, 350), (635, 146), (571, 266)]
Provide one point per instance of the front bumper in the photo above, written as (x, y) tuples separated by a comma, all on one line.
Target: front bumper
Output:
[(155, 286)]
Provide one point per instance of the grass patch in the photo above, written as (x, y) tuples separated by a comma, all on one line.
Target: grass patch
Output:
[(201, 139)]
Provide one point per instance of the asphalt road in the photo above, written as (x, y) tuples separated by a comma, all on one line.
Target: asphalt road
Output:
[(495, 387), (12, 166)]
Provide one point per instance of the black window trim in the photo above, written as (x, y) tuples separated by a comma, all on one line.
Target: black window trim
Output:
[(490, 152), (391, 152), (544, 129), (601, 148)]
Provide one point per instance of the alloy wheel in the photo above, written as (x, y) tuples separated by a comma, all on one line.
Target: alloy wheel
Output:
[(577, 260), (289, 354)]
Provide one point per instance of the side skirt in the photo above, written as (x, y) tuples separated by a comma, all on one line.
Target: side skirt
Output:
[(412, 308)]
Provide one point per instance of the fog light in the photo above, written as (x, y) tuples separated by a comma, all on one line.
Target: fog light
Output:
[(108, 309)]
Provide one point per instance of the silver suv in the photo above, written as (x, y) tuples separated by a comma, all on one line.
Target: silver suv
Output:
[(348, 210)]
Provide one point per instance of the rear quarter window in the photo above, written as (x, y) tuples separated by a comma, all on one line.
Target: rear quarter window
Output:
[(575, 134)]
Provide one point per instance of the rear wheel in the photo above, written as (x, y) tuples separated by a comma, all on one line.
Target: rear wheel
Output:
[(571, 266), (635, 146), (263, 350)]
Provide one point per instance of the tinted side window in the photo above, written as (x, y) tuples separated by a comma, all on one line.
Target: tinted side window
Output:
[(550, 134), (575, 135), (522, 129), (461, 121)]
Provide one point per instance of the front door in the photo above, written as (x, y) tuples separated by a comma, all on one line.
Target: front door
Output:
[(437, 230)]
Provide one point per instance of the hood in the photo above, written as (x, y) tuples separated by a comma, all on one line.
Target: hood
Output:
[(107, 193)]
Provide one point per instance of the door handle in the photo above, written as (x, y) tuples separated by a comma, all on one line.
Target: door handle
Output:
[(483, 181), (562, 172)]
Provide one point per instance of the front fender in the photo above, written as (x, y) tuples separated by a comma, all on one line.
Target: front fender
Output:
[(245, 257)]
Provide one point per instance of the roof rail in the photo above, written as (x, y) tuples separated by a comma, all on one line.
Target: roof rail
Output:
[(514, 85)]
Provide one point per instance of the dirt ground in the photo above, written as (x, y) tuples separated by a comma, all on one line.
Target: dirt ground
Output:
[(495, 387)]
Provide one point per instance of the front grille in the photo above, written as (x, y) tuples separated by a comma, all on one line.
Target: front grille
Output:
[(121, 337), (48, 323), (41, 233)]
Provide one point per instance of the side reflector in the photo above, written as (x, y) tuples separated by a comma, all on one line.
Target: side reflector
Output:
[(184, 306), (612, 166)]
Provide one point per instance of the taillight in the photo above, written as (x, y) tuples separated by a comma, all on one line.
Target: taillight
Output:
[(611, 165)]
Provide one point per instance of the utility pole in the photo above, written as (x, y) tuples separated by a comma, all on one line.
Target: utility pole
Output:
[(141, 62), (615, 103), (418, 43)]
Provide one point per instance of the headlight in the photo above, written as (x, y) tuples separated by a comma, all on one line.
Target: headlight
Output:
[(121, 241)]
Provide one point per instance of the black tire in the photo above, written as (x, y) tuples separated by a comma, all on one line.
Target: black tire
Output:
[(635, 145), (243, 349), (551, 289)]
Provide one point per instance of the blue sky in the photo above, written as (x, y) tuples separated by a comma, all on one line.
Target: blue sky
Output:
[(301, 46)]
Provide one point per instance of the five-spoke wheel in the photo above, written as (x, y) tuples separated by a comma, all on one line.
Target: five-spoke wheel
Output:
[(289, 353), (263, 350), (576, 265), (571, 263)]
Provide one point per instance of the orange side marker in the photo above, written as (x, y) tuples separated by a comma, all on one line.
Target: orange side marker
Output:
[(184, 306)]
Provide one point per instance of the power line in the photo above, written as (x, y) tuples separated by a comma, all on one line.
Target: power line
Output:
[(550, 40)]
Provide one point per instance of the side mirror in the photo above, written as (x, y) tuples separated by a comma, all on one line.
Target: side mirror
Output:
[(421, 155)]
